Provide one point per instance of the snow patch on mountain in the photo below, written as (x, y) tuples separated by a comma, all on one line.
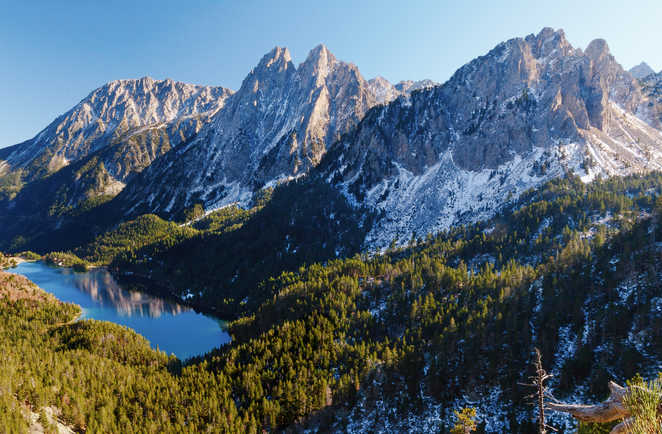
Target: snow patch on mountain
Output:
[(446, 194)]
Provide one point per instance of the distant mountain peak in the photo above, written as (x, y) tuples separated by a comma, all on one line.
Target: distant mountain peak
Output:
[(642, 70)]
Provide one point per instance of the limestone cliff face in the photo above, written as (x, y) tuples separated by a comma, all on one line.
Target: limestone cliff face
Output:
[(277, 126)]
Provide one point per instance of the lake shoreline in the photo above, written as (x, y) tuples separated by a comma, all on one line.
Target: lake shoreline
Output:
[(15, 261)]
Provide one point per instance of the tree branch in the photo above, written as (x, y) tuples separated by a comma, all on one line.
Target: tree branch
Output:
[(621, 428)]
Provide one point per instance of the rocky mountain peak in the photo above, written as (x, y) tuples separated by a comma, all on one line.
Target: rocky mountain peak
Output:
[(548, 42), (278, 60), (320, 55), (597, 49), (319, 63), (107, 115)]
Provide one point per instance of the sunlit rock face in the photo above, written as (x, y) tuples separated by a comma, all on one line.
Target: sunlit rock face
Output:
[(276, 127)]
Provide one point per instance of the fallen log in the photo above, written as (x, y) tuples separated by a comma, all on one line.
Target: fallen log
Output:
[(609, 410)]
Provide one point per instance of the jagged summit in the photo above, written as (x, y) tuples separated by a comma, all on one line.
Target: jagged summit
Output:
[(277, 58), (547, 42), (276, 127), (320, 54), (319, 63), (597, 49)]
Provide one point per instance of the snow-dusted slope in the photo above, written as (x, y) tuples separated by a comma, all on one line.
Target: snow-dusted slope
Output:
[(530, 110)]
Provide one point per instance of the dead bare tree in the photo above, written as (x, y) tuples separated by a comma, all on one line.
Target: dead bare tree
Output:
[(540, 394)]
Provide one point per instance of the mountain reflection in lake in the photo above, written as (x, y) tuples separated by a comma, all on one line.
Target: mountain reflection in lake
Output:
[(169, 326), (102, 288)]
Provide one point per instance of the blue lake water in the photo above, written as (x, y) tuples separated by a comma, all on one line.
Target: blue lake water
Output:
[(168, 326)]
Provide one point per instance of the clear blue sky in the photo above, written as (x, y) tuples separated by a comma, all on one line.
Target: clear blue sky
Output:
[(53, 53)]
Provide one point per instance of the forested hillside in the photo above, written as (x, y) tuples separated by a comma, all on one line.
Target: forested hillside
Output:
[(391, 341), (220, 262)]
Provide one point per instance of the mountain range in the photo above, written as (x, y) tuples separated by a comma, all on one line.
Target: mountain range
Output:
[(423, 156)]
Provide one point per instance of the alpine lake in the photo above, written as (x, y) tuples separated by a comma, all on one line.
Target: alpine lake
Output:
[(168, 326)]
